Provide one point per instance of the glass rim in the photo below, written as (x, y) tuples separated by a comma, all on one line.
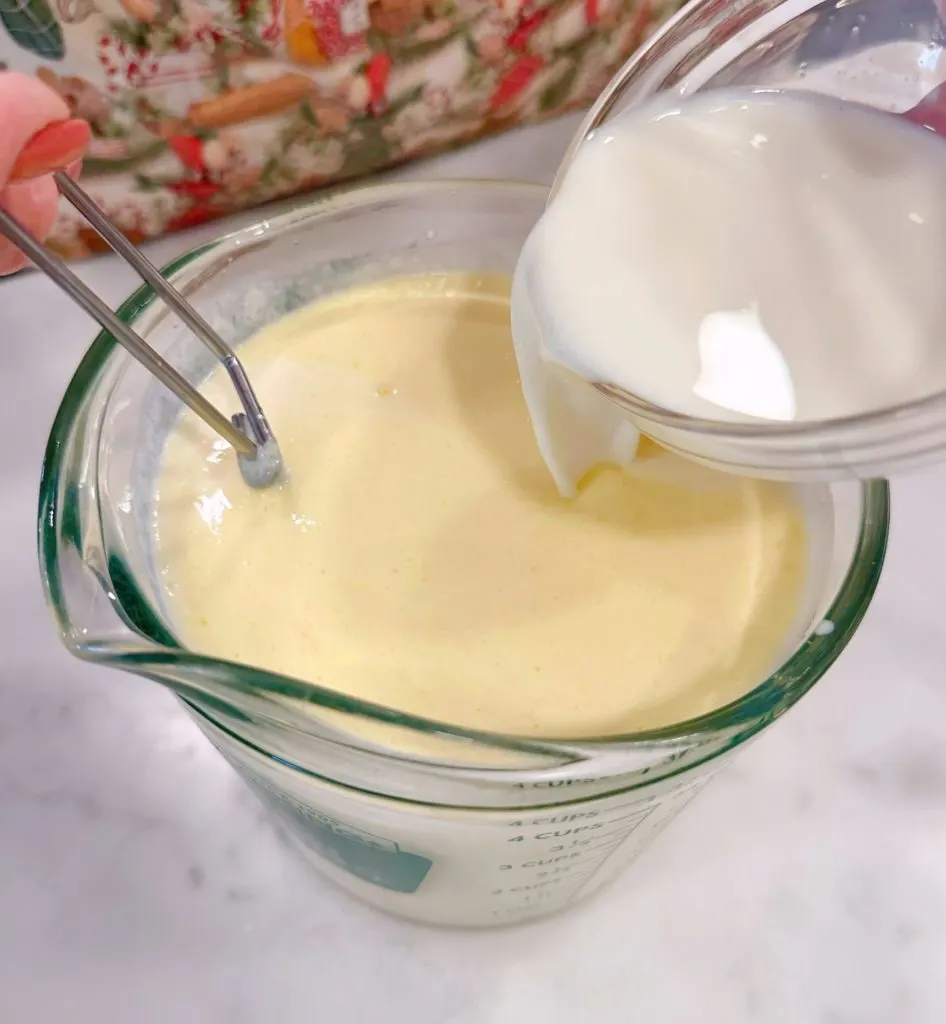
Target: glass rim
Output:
[(773, 695)]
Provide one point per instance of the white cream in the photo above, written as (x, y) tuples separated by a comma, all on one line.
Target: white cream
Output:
[(742, 254)]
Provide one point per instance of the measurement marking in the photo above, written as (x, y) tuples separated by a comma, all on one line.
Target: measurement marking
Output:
[(604, 860), (634, 814), (560, 861), (607, 848), (533, 892), (622, 832), (589, 845)]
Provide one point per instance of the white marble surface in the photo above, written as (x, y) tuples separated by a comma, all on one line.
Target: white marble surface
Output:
[(138, 882)]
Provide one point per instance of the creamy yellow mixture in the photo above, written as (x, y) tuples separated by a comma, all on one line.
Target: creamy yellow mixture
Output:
[(418, 554)]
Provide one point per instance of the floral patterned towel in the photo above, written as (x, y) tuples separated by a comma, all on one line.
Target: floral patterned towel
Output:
[(202, 107)]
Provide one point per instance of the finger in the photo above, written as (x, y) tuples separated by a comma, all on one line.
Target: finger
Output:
[(34, 204), (28, 106), (11, 260)]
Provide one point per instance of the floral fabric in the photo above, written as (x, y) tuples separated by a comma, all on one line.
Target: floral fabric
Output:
[(201, 107)]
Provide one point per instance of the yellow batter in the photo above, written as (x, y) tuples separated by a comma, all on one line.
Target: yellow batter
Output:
[(419, 555)]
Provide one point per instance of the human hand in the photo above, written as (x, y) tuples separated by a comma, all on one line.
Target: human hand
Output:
[(26, 108)]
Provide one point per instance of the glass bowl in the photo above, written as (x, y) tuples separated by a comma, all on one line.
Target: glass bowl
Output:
[(887, 54), (420, 818)]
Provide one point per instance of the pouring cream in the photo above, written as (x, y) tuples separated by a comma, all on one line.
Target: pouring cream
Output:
[(741, 255)]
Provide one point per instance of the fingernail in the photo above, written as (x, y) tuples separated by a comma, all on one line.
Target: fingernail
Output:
[(53, 148)]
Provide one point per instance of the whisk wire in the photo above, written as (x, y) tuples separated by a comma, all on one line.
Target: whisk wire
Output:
[(249, 433)]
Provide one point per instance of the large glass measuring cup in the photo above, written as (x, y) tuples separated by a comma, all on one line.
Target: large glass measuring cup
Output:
[(429, 821), (886, 54)]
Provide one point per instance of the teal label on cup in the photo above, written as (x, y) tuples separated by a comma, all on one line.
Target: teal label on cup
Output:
[(369, 857)]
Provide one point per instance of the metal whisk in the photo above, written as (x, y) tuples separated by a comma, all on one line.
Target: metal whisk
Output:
[(248, 432)]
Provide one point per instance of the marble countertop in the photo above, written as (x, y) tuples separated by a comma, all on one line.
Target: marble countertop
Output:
[(139, 883)]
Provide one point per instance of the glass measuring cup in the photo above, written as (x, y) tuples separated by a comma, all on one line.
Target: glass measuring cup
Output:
[(886, 54), (429, 821)]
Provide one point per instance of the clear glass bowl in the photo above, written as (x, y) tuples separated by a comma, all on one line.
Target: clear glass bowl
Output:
[(423, 819), (887, 54)]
